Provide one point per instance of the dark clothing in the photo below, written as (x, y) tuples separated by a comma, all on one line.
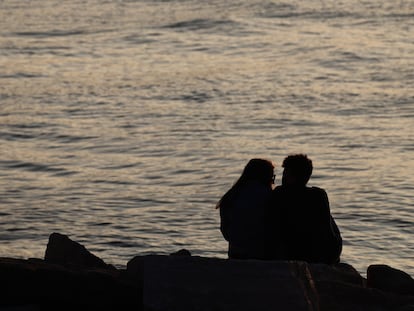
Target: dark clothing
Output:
[(242, 221), (299, 226)]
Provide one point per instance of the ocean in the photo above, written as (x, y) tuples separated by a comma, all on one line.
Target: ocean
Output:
[(122, 123)]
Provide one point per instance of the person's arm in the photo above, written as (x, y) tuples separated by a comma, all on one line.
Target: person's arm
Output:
[(334, 239), (225, 222)]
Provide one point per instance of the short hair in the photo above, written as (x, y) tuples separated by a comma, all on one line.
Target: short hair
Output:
[(300, 166)]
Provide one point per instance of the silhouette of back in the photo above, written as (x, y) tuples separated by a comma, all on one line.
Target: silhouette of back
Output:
[(299, 223), (242, 211), (303, 226)]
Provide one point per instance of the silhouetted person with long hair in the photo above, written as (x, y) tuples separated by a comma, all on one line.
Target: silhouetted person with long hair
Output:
[(299, 224), (242, 210)]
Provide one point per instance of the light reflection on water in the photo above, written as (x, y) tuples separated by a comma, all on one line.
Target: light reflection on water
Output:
[(122, 126)]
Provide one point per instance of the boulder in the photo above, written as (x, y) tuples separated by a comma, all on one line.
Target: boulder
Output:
[(71, 278), (181, 252), (196, 283), (38, 285), (389, 279), (342, 272), (62, 250)]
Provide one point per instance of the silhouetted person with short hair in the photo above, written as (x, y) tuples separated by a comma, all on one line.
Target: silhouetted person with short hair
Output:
[(299, 225), (242, 210)]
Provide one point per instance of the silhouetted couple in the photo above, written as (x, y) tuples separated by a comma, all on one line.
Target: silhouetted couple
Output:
[(290, 222)]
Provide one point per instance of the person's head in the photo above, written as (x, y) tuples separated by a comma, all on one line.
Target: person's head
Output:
[(297, 170), (259, 170)]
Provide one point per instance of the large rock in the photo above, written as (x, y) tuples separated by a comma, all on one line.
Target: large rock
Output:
[(62, 250), (389, 279), (195, 283), (71, 278), (37, 285)]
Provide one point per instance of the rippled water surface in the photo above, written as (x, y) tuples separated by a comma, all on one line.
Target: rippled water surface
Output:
[(123, 122)]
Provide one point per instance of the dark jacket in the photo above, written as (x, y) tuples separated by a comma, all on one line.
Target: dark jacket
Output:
[(242, 221), (299, 226)]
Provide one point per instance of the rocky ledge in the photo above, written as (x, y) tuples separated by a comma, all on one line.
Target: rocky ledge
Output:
[(71, 278)]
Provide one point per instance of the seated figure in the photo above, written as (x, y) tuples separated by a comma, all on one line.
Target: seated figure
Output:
[(299, 224), (242, 210)]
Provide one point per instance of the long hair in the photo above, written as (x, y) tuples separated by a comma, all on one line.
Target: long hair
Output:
[(259, 170)]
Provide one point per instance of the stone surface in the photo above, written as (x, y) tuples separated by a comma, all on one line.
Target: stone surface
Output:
[(71, 278), (181, 252), (195, 283), (35, 284), (389, 279), (342, 272), (62, 250)]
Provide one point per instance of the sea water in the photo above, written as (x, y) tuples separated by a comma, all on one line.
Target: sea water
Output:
[(122, 123)]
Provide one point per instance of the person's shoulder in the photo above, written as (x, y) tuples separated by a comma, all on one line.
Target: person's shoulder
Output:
[(277, 188), (317, 192), (255, 189), (276, 192), (317, 189)]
